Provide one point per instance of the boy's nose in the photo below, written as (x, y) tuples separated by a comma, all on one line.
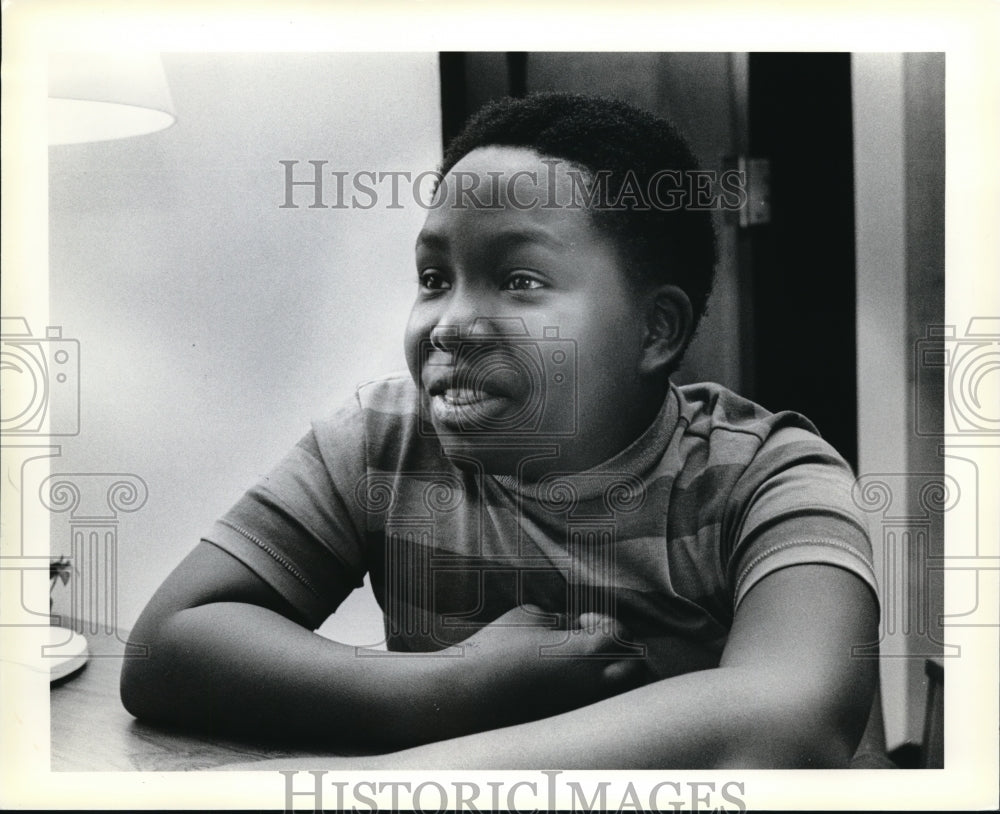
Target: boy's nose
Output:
[(453, 323), (446, 336)]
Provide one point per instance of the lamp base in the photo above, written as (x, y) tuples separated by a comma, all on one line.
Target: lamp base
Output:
[(61, 652), (72, 652)]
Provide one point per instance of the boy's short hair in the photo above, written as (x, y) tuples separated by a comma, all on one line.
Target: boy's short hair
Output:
[(601, 135)]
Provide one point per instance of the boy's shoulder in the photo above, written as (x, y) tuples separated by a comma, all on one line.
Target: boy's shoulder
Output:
[(379, 425), (720, 428), (391, 394), (711, 410), (388, 400)]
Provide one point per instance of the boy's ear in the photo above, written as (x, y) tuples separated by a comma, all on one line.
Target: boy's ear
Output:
[(669, 318)]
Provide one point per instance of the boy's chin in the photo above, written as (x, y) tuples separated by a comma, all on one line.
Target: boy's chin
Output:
[(524, 457)]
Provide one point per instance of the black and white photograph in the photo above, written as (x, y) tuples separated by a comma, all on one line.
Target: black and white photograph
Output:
[(407, 422)]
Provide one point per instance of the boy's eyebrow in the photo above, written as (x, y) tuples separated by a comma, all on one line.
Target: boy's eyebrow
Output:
[(431, 240), (506, 238)]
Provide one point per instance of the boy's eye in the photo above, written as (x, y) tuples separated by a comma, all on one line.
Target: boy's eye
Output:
[(519, 281), (433, 280)]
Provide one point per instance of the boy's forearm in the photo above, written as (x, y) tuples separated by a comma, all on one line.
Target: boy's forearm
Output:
[(725, 717), (719, 718), (236, 667)]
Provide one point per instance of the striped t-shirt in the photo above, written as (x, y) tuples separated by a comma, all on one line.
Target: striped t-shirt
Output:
[(668, 536)]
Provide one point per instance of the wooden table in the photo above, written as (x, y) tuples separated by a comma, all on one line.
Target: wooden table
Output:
[(91, 730)]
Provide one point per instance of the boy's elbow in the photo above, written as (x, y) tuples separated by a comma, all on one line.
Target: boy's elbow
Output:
[(789, 747), (820, 721), (804, 730), (145, 683), (815, 748), (130, 692), (136, 686)]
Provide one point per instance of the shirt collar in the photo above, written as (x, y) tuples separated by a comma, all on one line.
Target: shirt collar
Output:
[(631, 465)]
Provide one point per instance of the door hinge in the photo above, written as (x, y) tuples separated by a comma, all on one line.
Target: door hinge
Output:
[(756, 173)]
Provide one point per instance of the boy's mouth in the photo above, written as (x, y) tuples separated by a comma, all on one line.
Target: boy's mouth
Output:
[(464, 410), (463, 396), (459, 402), (463, 405)]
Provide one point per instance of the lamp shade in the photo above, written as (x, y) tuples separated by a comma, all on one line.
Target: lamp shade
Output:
[(99, 96)]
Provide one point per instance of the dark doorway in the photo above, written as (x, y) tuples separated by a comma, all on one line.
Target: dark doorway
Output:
[(803, 289)]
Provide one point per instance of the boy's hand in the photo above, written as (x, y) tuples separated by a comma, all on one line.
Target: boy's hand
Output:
[(521, 666)]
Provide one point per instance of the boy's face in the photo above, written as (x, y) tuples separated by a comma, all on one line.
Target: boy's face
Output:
[(525, 332)]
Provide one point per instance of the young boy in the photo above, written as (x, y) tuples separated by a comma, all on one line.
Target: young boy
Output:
[(669, 577)]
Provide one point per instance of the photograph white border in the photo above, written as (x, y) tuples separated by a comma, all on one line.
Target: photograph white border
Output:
[(966, 31)]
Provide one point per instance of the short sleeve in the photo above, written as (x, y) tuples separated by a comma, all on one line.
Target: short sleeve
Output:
[(295, 529), (795, 507)]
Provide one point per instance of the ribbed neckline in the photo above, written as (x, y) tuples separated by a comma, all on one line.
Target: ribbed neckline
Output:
[(635, 461)]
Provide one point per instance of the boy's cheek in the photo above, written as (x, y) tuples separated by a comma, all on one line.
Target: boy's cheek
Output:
[(413, 362), (417, 331)]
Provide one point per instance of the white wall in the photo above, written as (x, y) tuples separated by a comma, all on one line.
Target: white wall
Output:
[(899, 199), (214, 324), (881, 294)]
